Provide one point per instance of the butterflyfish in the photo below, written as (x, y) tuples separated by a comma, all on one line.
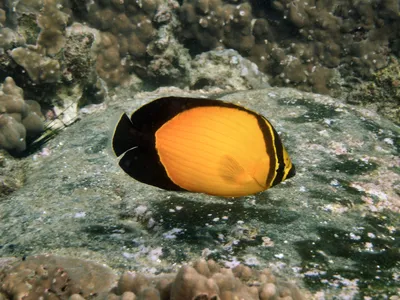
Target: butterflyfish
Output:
[(201, 145)]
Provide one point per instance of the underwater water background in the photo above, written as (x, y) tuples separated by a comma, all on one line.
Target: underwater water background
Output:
[(333, 229)]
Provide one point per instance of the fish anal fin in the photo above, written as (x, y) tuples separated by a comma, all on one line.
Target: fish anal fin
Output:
[(232, 172)]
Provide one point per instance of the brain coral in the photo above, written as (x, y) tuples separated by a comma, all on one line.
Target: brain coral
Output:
[(19, 119)]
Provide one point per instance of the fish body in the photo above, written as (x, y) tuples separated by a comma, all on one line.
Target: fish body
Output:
[(201, 145)]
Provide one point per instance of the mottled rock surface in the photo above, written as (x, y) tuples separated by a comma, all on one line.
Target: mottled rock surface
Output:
[(333, 228)]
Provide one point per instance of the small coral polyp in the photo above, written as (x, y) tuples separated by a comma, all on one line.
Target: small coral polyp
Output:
[(19, 119)]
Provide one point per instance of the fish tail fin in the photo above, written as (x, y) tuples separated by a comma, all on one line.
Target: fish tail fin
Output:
[(124, 137)]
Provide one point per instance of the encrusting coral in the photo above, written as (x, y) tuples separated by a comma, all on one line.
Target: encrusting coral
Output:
[(55, 277), (19, 119)]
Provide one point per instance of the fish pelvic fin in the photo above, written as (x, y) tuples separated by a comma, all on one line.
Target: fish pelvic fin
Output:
[(232, 172)]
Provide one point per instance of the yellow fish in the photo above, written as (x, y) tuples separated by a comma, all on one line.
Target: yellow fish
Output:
[(201, 145)]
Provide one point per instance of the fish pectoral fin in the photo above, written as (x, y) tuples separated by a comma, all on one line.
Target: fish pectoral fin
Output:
[(232, 172)]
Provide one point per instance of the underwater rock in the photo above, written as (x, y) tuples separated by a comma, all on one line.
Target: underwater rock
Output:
[(331, 229), (12, 174), (225, 69)]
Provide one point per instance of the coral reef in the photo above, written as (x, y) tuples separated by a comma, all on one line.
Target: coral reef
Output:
[(138, 36), (9, 39), (56, 277), (297, 42), (39, 59), (19, 119), (50, 58)]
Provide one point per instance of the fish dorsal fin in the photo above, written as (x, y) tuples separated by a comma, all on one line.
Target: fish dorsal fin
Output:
[(232, 172)]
